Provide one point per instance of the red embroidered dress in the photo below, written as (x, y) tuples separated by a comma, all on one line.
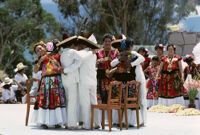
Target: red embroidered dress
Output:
[(146, 63), (193, 70), (170, 85), (152, 84), (50, 105), (51, 93), (103, 80)]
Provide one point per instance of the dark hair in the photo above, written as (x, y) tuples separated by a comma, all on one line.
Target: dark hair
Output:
[(174, 47), (159, 46), (36, 46), (188, 59), (55, 48), (126, 44), (156, 58), (143, 50), (7, 86), (20, 70), (107, 36)]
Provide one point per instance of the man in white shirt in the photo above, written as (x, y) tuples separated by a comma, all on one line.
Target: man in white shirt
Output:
[(88, 86), (70, 62)]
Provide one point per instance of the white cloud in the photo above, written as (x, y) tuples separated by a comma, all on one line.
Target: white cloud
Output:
[(196, 13)]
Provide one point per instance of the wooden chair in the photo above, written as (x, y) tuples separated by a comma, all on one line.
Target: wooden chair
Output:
[(131, 100), (28, 101), (114, 102)]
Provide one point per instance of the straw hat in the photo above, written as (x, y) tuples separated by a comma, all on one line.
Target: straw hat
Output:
[(2, 75), (85, 41), (7, 81), (116, 43), (20, 66), (67, 42), (77, 40)]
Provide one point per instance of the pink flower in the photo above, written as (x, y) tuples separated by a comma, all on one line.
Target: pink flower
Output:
[(50, 46)]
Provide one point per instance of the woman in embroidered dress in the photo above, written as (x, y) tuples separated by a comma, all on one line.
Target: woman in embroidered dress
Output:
[(152, 83), (129, 68), (104, 57), (191, 68), (50, 108), (144, 52), (159, 48), (171, 79)]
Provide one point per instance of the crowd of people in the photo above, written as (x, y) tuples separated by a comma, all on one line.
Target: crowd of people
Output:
[(75, 73)]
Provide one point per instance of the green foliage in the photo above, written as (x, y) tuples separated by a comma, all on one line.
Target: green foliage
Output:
[(22, 23), (143, 20), (192, 93)]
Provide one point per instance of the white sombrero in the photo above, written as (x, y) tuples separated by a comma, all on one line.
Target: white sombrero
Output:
[(78, 40), (20, 66), (6, 81)]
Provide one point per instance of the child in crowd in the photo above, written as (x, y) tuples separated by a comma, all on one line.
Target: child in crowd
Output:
[(144, 52), (152, 83)]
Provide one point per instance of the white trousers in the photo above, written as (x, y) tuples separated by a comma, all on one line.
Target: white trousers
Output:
[(88, 96), (71, 91), (143, 102)]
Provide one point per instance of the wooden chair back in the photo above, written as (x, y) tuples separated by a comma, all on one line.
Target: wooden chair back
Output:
[(132, 92), (115, 93)]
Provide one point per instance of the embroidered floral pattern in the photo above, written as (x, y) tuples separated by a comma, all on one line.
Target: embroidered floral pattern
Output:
[(152, 84), (51, 93), (170, 84)]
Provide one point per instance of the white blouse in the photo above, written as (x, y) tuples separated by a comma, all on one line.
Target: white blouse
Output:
[(21, 78), (34, 88), (8, 94)]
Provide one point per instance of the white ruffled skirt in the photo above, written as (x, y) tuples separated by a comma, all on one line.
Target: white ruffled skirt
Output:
[(151, 102), (49, 117), (171, 101)]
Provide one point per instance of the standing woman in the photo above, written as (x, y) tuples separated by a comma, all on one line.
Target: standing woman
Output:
[(171, 79), (144, 52), (152, 83), (191, 68), (104, 57), (50, 108), (159, 48)]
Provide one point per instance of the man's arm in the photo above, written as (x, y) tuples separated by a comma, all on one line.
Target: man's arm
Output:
[(139, 59), (75, 65)]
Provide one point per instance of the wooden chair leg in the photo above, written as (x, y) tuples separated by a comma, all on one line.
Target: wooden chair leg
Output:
[(137, 115), (126, 117), (27, 113), (109, 119), (92, 117), (103, 119), (120, 118)]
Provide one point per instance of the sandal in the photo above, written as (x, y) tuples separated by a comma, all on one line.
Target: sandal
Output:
[(57, 126), (44, 126)]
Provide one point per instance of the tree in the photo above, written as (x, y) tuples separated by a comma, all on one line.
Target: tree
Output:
[(143, 20), (22, 23)]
